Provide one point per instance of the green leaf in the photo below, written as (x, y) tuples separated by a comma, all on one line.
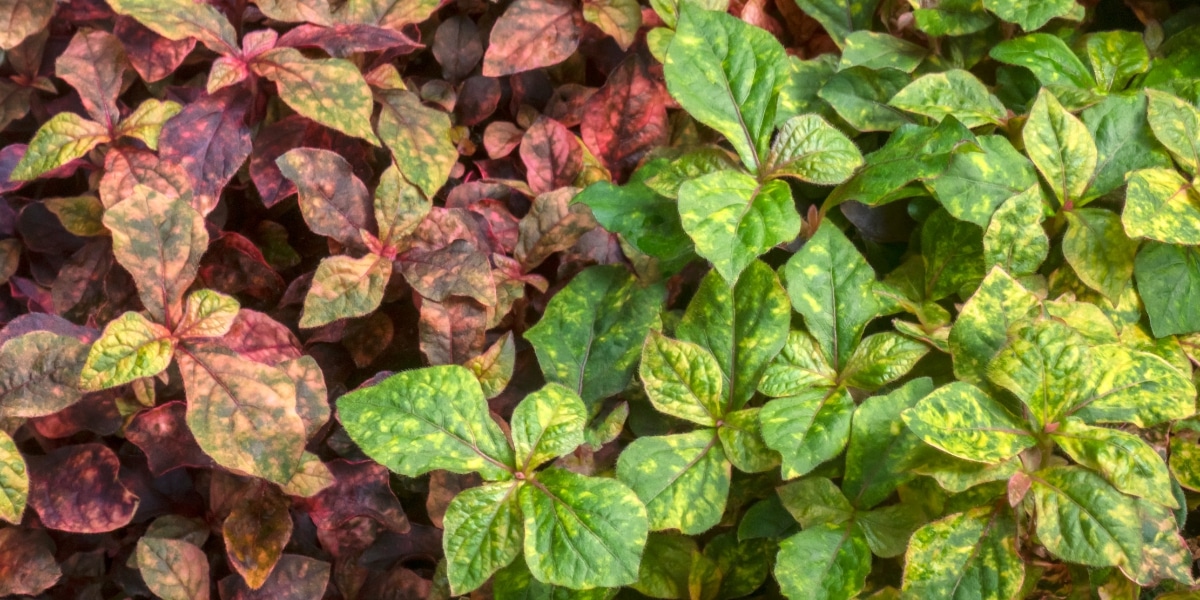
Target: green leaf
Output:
[(582, 532), (182, 19), (425, 419), (960, 419), (173, 569), (667, 180), (591, 334), (345, 287), (1088, 320), (860, 96), (805, 78), (1097, 248), (828, 562), (733, 219), (743, 564), (483, 534), (880, 51), (39, 374), (888, 529), (1124, 141), (207, 314), (329, 91), (1129, 463), (646, 219), (666, 563), (881, 359), (726, 74), (1135, 387), (399, 207), (1161, 205), (953, 18), (956, 475), (80, 215), (743, 327), (976, 183), (880, 446), (1177, 125), (812, 150), (953, 252), (547, 424), (967, 556), (60, 140), (1168, 280), (830, 285), (1082, 519), (798, 367), (515, 582), (1061, 146), (741, 437), (14, 481), (954, 92), (982, 326), (683, 479), (418, 138), (131, 347), (815, 501), (1015, 240), (1047, 365), (1031, 14), (1051, 61), (840, 18), (807, 429), (620, 19), (911, 153), (146, 122), (682, 380), (1115, 57)]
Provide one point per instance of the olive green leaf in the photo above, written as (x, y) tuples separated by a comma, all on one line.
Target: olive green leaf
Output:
[(682, 380), (1185, 454), (1047, 365), (1177, 125), (826, 562), (591, 333), (840, 18), (255, 532), (1129, 463), (231, 401), (880, 51), (39, 374), (743, 327), (345, 287), (810, 149), (60, 140), (888, 529), (860, 97), (1168, 280), (967, 556), (547, 424), (953, 18), (1097, 248), (666, 563), (956, 475), (620, 19), (1015, 240), (1061, 146), (726, 74), (953, 253), (81, 215), (494, 368), (399, 207), (173, 569), (330, 91), (131, 347), (799, 92), (418, 138), (582, 532), (1115, 57), (807, 429), (642, 216), (147, 120), (690, 165), (815, 501), (1050, 59), (830, 284), (976, 183), (743, 564), (14, 481), (1082, 519), (515, 582), (683, 479), (733, 219), (1137, 387), (1124, 141), (1161, 205), (1031, 15), (960, 419), (954, 92), (483, 533), (798, 367), (207, 314), (182, 19), (1086, 319), (159, 240), (333, 200), (741, 437), (880, 447), (881, 359), (425, 419), (982, 326)]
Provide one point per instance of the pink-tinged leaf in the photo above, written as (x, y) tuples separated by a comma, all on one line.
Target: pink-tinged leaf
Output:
[(345, 287), (385, 77), (394, 14), (165, 439), (210, 140), (10, 258), (399, 207), (297, 11), (181, 19), (256, 531), (532, 34), (159, 240), (418, 138), (620, 19), (153, 56), (31, 322), (500, 138), (38, 374), (27, 565), (62, 139), (310, 477), (295, 578), (207, 314), (552, 155), (444, 225), (312, 397), (330, 91), (77, 489), (96, 413), (457, 46), (333, 200), (173, 569), (10, 157), (553, 224), (255, 43), (296, 132), (20, 19), (567, 103), (344, 40), (478, 99), (501, 224), (126, 167), (255, 336), (361, 490), (458, 269), (14, 101), (494, 368), (93, 64), (146, 122), (242, 413), (368, 338), (226, 71), (451, 332), (626, 118), (235, 266)]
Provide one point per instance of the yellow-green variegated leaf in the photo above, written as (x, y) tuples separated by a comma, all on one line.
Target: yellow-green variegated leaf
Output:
[(682, 379), (1088, 320), (345, 287), (207, 314), (682, 479), (1136, 387), (399, 206), (798, 367), (976, 183), (182, 19), (810, 149), (131, 347), (956, 475), (173, 569), (547, 424), (741, 437), (1082, 519), (1060, 146), (14, 481), (1097, 248), (881, 359), (39, 374), (1047, 365), (815, 501), (967, 556), (582, 532), (982, 327), (881, 447), (826, 562), (147, 121), (807, 429), (881, 51), (1161, 205), (1115, 57), (483, 534), (666, 563), (1177, 125), (1164, 553), (494, 368), (954, 92), (960, 419), (1046, 55), (418, 138), (330, 91), (81, 215), (425, 419), (60, 140), (1033, 14), (1014, 239), (1128, 462)]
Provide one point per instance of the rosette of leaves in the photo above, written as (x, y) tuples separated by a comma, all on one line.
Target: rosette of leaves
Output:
[(570, 530)]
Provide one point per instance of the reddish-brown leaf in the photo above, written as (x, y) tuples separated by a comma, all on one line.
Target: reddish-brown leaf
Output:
[(568, 102), (210, 140), (9, 157), (500, 138), (93, 64), (452, 332), (553, 224), (533, 34), (444, 225), (126, 167), (458, 269), (478, 99), (256, 531), (27, 565), (312, 397), (235, 266), (77, 489), (297, 11), (96, 412), (153, 56), (626, 118), (174, 569), (256, 336), (296, 131), (361, 490), (443, 487), (343, 40), (552, 155), (367, 338), (14, 101), (20, 19), (164, 437), (295, 578), (334, 202), (457, 46)]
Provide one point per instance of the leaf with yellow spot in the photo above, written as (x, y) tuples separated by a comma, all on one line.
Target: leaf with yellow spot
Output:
[(255, 532), (1061, 147), (330, 91), (966, 556), (547, 424), (182, 19), (881, 447), (399, 207), (1082, 519), (683, 479), (1131, 386), (1046, 55), (1097, 248), (131, 347), (494, 368), (333, 200), (1014, 239), (976, 184), (173, 569), (483, 534), (146, 122), (207, 314), (812, 150), (682, 379), (418, 138), (960, 419), (741, 437), (953, 254), (39, 374), (80, 215), (345, 287), (807, 429), (826, 562), (60, 140), (799, 366), (954, 92), (1115, 57), (881, 359), (1129, 463), (815, 501), (14, 481), (1163, 206), (982, 326), (1177, 125), (1047, 365)]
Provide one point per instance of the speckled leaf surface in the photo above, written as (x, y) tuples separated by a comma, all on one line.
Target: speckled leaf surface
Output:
[(457, 269), (807, 429), (418, 138), (98, 502), (826, 562), (180, 19), (400, 207), (553, 224), (484, 530), (840, 17), (860, 97), (345, 287), (953, 252), (810, 149), (1168, 280), (62, 139), (976, 184), (547, 424), (173, 569), (256, 532), (1030, 15), (1135, 387), (146, 121), (14, 481), (131, 347), (880, 51), (1047, 56), (39, 373), (532, 34), (966, 556), (682, 379), (93, 64), (955, 92), (1047, 365), (1177, 125), (881, 359), (330, 91), (1163, 206), (1097, 248), (881, 447), (333, 200), (741, 438), (960, 419), (1081, 518), (1014, 239), (800, 365), (1061, 147), (682, 479), (1115, 57), (1129, 463), (982, 326), (207, 314), (494, 368)]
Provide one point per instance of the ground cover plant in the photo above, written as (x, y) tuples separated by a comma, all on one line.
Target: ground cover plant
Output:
[(548, 299)]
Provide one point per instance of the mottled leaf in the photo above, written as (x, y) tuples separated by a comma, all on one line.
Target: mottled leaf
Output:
[(345, 287), (210, 140), (494, 368), (532, 34), (860, 97), (20, 19), (255, 533), (399, 207), (458, 269), (60, 140), (163, 436), (1161, 205), (1061, 146), (620, 19), (330, 91), (173, 569), (333, 200), (547, 424), (798, 367), (14, 482), (552, 224), (483, 534), (179, 19), (880, 51), (207, 314), (809, 149), (1081, 518), (962, 420), (1048, 56), (982, 326), (451, 332), (826, 562), (880, 447), (1135, 387), (682, 379), (954, 92), (627, 117), (1176, 124), (29, 567), (1047, 365), (418, 138), (78, 489), (295, 577), (93, 64), (970, 555), (807, 429), (1014, 239), (683, 479), (130, 348), (39, 372), (977, 183), (1097, 248), (1129, 463)]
